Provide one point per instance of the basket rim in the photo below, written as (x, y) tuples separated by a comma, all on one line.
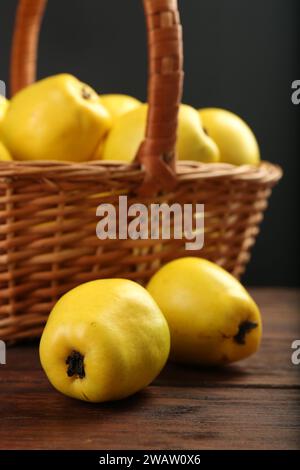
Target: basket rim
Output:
[(265, 172)]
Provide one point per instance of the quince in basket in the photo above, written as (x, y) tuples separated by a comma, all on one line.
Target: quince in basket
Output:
[(212, 318), (128, 132), (117, 105), (104, 340), (235, 139), (58, 118)]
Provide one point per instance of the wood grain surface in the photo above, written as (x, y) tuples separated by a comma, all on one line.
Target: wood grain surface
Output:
[(252, 405)]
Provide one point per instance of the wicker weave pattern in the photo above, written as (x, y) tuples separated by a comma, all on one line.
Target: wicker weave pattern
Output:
[(48, 219)]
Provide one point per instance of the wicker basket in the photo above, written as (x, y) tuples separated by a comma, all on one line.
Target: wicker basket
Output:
[(48, 209)]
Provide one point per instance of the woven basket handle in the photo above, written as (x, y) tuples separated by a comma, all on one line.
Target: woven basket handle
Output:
[(157, 152)]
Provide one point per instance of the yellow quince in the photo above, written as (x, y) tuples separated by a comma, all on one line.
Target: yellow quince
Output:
[(192, 144), (58, 118), (104, 340)]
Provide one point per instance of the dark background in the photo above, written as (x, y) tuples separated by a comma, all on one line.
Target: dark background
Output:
[(242, 55)]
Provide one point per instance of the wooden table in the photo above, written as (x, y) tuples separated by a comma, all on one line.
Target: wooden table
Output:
[(253, 405)]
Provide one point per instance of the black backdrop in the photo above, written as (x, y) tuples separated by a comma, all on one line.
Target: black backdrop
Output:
[(239, 54)]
